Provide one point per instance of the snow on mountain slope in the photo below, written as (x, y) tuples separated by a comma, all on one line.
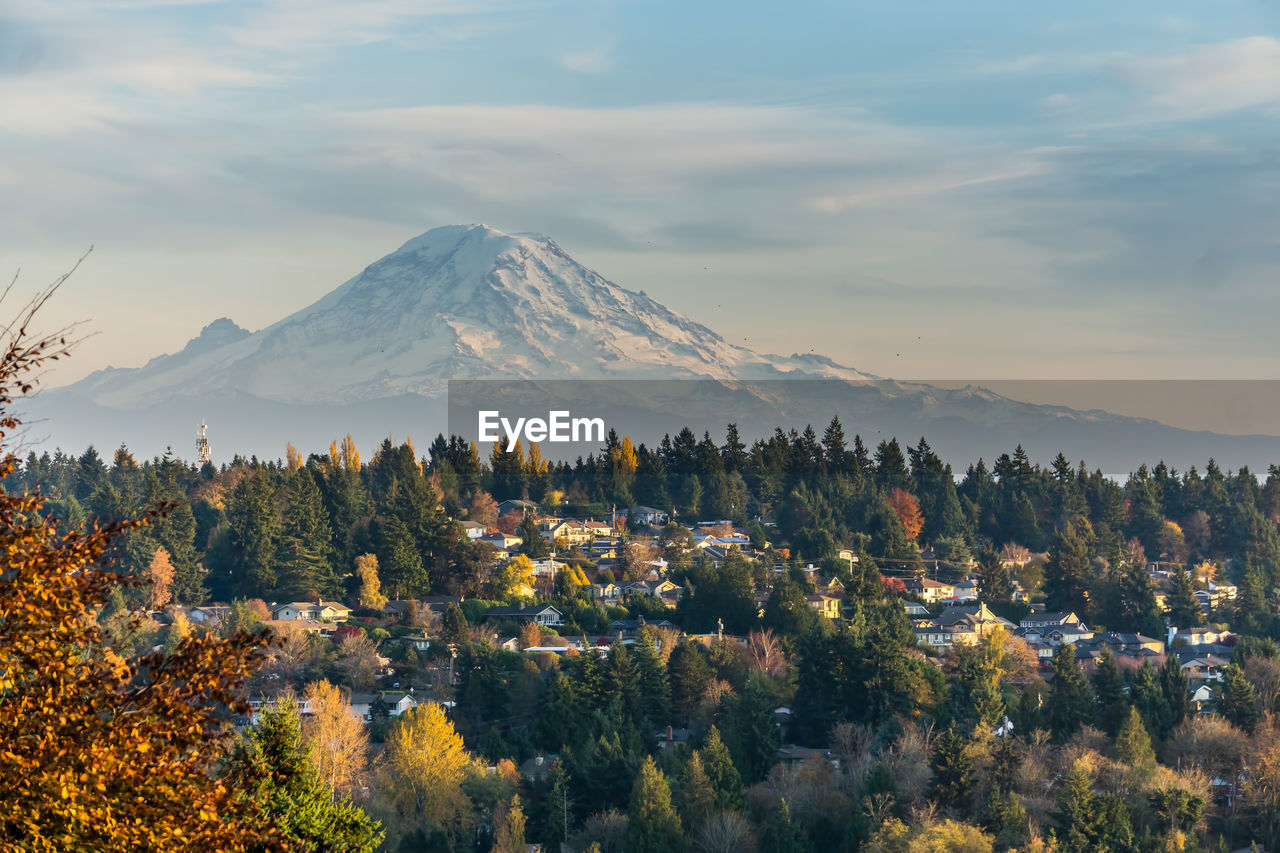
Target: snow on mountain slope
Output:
[(458, 302)]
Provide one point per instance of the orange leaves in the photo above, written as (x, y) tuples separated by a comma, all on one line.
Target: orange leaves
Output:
[(908, 512), (100, 751)]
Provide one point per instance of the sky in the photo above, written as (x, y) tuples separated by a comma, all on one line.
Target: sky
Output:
[(916, 189)]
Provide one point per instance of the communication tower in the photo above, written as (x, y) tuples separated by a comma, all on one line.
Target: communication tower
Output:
[(202, 445)]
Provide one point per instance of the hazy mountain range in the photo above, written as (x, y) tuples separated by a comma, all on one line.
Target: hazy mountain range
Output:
[(374, 356)]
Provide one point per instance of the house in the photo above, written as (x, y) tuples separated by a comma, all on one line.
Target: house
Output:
[(914, 608), (501, 541), (419, 642), (318, 611), (647, 515), (259, 704), (929, 591), (793, 755), (648, 588), (311, 626), (1201, 636), (833, 586), (631, 627), (525, 507), (538, 614), (598, 529), (957, 625), (397, 703), (1202, 699), (1045, 620), (825, 606), (1204, 668), (1132, 649), (564, 533), (536, 769), (208, 614), (937, 637), (965, 590), (547, 567), (606, 591), (473, 529), (1055, 635), (977, 616), (847, 555)]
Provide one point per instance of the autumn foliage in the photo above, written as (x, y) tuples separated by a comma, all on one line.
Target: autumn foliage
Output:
[(98, 752), (908, 511)]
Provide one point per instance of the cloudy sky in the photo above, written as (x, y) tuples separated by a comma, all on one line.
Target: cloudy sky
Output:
[(918, 189)]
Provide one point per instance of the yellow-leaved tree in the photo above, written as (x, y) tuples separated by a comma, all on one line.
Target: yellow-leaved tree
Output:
[(425, 766), (337, 736), (370, 593), (99, 751)]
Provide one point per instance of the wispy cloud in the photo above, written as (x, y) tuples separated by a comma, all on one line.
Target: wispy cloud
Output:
[(1207, 80), (295, 26), (594, 61)]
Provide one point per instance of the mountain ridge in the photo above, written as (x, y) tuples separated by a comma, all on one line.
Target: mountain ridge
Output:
[(456, 301), (374, 355)]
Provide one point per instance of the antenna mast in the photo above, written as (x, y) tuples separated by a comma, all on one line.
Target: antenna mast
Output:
[(202, 445)]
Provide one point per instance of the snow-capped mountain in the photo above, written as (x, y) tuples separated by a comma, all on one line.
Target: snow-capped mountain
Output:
[(374, 357), (463, 301)]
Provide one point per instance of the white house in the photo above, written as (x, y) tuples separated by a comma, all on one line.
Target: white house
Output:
[(647, 515), (317, 611), (397, 704)]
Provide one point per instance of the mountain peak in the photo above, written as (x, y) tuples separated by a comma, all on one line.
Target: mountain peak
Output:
[(456, 302), (451, 238)]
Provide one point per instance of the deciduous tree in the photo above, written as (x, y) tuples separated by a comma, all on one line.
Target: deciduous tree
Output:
[(425, 765), (337, 737), (98, 751)]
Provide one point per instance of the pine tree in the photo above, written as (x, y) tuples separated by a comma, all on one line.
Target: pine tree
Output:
[(253, 528), (1139, 612), (532, 545), (654, 826), (283, 788), (689, 674), (1076, 815), (781, 834), (1108, 690), (1133, 743), (655, 689), (1007, 819), (1068, 574), (1176, 687), (1184, 608), (453, 625), (559, 806), (722, 773), (976, 700), (697, 795), (1149, 699), (399, 561), (1238, 698), (175, 531), (952, 771), (1071, 701), (303, 551), (995, 582)]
